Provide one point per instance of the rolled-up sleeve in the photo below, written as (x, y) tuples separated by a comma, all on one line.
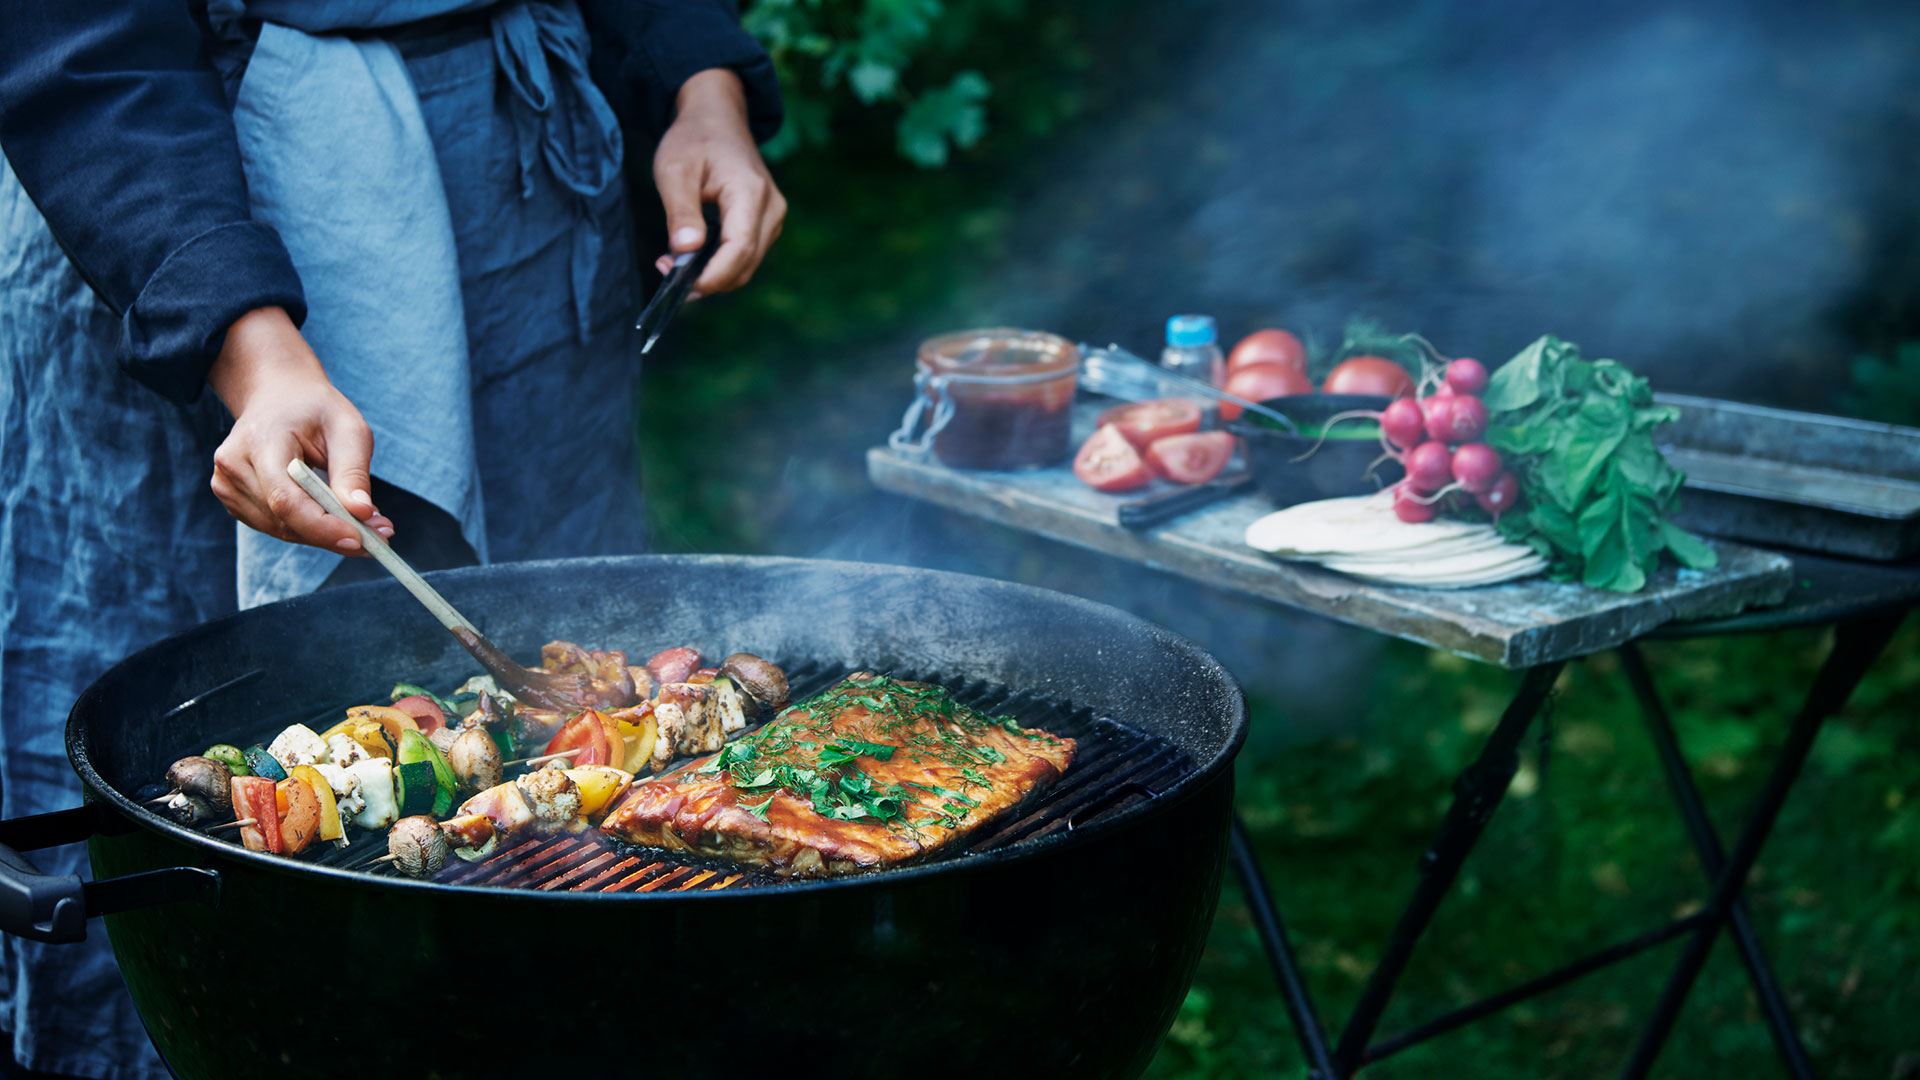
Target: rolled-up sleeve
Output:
[(117, 126), (652, 47)]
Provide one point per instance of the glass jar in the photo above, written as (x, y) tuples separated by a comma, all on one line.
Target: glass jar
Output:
[(999, 398)]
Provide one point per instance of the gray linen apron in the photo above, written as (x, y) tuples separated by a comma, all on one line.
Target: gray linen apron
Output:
[(111, 539)]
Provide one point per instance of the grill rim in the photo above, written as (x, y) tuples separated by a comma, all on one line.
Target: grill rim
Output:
[(79, 732)]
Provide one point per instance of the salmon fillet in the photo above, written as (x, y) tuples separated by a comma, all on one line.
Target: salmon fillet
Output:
[(872, 772)]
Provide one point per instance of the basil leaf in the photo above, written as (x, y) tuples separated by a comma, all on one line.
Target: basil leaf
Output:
[(1516, 384), (1693, 553)]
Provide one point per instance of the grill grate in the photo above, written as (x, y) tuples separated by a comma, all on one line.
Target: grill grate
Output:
[(1114, 767)]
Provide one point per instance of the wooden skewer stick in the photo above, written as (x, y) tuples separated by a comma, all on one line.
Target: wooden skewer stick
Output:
[(162, 798), (383, 859), (234, 824), (543, 758)]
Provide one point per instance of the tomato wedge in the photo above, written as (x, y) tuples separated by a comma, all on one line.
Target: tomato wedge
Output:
[(429, 716), (1191, 459), (587, 733), (1144, 421), (299, 811), (1108, 462), (253, 797)]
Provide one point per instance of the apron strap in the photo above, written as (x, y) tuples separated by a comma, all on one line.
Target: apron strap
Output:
[(561, 117)]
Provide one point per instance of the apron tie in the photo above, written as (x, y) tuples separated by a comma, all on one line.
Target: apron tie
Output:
[(565, 121)]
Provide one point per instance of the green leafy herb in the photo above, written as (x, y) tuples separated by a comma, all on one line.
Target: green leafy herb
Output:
[(759, 809), (1597, 491)]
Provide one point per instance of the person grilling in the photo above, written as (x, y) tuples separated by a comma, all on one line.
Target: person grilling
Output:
[(359, 223)]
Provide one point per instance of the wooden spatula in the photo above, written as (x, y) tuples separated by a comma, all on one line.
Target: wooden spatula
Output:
[(542, 689)]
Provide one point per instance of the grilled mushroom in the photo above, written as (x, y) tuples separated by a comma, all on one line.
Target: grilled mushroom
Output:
[(763, 682), (475, 758), (553, 797), (187, 809), (442, 739), (204, 779), (417, 846)]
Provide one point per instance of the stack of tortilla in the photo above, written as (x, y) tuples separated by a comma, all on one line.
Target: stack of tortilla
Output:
[(1361, 536)]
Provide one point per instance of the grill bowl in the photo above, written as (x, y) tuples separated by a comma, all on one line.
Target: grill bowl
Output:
[(1086, 935)]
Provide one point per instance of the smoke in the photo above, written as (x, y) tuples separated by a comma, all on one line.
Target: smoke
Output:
[(1711, 193), (1695, 190)]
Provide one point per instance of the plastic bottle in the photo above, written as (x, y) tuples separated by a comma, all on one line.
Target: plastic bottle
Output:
[(1193, 350)]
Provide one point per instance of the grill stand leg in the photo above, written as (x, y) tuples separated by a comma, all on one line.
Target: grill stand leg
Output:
[(1713, 857), (1856, 644), (1477, 793), (1273, 935)]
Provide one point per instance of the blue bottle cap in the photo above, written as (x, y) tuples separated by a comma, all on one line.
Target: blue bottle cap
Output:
[(1190, 331)]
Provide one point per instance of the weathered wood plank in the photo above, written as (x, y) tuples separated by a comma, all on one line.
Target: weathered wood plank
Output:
[(1516, 625)]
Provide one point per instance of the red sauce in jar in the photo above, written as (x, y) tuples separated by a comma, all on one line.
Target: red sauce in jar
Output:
[(1012, 394)]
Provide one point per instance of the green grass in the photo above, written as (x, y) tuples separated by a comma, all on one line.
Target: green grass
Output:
[(1582, 853)]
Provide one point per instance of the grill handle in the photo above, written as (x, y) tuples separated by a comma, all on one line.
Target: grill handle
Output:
[(54, 908)]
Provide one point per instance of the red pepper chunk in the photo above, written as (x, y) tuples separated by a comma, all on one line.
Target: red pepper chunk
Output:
[(253, 797)]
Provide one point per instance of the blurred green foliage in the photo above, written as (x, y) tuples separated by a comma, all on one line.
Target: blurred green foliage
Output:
[(921, 65), (1887, 387), (1586, 850)]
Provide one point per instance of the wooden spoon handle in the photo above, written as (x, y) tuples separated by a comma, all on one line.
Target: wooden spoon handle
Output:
[(310, 482)]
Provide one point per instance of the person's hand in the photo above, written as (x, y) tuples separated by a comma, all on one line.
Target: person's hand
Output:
[(284, 408), (708, 155)]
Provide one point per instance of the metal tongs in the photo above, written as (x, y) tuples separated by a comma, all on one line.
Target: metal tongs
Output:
[(1114, 372), (541, 689), (673, 288)]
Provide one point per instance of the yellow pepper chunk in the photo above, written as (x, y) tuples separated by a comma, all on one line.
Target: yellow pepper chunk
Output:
[(329, 808)]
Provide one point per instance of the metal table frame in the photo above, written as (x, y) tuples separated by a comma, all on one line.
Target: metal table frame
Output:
[(1865, 611)]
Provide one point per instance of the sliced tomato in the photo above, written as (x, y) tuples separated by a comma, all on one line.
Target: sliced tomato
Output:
[(674, 665), (1144, 421), (424, 712), (1191, 459), (1108, 462), (1261, 383), (254, 797), (587, 733)]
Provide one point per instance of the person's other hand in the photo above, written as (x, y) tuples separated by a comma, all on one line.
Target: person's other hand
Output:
[(708, 155), (284, 407)]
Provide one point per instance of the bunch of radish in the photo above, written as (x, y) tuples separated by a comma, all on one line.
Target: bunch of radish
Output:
[(1436, 438)]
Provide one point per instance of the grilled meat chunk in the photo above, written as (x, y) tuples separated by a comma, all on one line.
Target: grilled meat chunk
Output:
[(873, 772)]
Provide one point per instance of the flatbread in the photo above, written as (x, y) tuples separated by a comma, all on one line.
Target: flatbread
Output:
[(1352, 526)]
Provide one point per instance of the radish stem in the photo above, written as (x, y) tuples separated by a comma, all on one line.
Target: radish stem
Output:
[(1327, 428), (1429, 500)]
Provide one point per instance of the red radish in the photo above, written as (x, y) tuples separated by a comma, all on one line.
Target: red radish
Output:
[(1403, 424), (1500, 497), (1467, 376), (1429, 467), (1191, 459), (1408, 507), (1466, 419), (1476, 466), (1439, 412)]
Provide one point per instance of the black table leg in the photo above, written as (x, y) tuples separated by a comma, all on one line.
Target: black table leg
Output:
[(1856, 644), (1477, 793), (1707, 846), (1273, 934)]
